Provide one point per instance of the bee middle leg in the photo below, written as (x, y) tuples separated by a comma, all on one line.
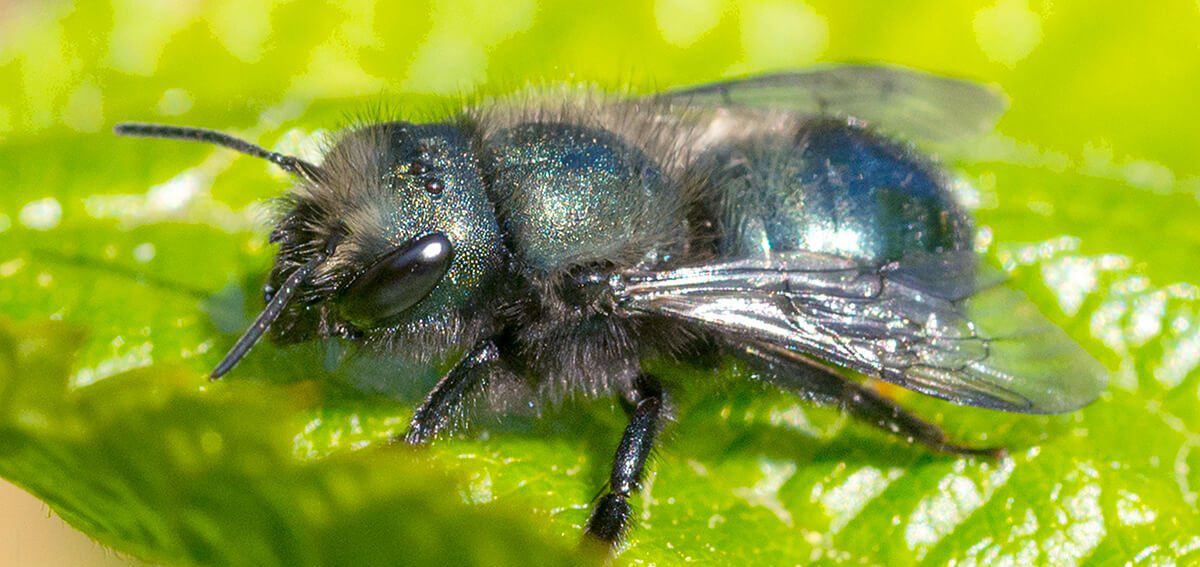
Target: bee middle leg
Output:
[(814, 381), (610, 517), (445, 402)]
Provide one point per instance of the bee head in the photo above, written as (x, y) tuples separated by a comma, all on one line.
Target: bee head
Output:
[(392, 238)]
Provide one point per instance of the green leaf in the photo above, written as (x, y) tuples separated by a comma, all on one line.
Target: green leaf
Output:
[(127, 267)]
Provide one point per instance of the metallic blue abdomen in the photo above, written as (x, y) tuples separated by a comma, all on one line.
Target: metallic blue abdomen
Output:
[(833, 188)]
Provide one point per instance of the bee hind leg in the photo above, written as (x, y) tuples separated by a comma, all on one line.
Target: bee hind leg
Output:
[(814, 381)]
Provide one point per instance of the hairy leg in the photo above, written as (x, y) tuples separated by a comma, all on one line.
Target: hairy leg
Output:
[(796, 373), (610, 518), (445, 402)]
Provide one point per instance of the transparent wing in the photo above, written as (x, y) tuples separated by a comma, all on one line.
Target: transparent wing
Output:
[(934, 324), (911, 103)]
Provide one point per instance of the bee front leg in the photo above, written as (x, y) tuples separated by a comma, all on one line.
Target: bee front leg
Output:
[(610, 518), (445, 402)]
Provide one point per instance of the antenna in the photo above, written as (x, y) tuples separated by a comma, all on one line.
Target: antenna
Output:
[(290, 164), (268, 315), (275, 307)]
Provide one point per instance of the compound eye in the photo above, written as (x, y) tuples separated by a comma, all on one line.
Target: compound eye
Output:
[(397, 281)]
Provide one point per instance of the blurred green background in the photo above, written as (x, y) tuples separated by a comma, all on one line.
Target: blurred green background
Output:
[(127, 267)]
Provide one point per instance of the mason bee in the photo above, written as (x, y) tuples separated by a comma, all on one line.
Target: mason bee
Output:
[(553, 246)]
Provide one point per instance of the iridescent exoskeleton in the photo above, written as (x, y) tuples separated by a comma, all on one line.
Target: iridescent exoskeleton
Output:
[(551, 246)]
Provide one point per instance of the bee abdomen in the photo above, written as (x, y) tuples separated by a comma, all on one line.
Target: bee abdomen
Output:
[(833, 188)]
